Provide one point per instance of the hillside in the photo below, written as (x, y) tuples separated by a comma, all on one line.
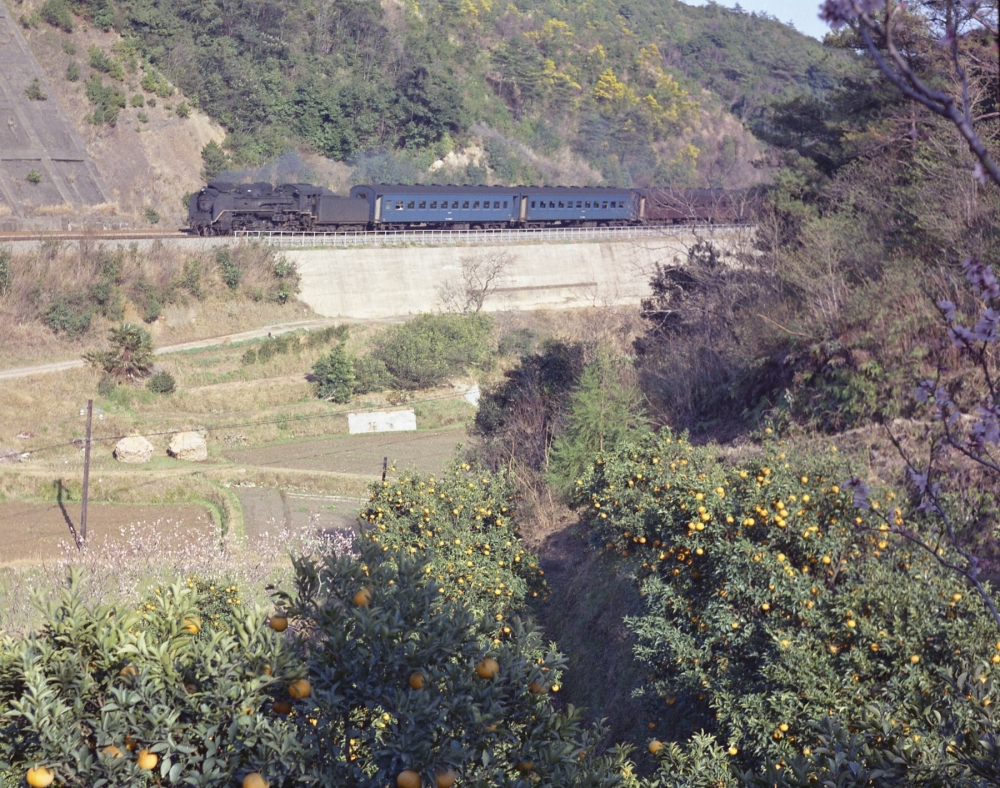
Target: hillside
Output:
[(631, 93)]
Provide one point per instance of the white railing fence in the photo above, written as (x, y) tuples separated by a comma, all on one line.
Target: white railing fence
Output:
[(483, 237)]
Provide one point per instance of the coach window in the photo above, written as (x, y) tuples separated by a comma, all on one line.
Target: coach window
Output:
[(399, 205), (552, 203), (454, 204), (504, 203), (561, 204), (465, 205), (533, 204), (411, 205), (475, 205), (496, 204), (579, 203), (434, 205), (423, 204)]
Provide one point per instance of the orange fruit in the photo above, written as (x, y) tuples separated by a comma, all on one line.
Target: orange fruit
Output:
[(915, 659), (255, 780), (129, 742), (147, 760), (112, 752), (129, 672), (39, 777), (537, 688), (281, 707), (408, 779), (278, 624), (525, 766), (416, 680), (191, 625), (655, 746), (300, 689), (732, 751), (488, 668), (363, 599), (444, 779)]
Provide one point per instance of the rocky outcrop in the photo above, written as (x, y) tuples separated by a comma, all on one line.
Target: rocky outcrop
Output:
[(134, 449), (189, 446)]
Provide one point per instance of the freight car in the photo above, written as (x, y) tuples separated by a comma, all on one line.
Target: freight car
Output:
[(224, 208)]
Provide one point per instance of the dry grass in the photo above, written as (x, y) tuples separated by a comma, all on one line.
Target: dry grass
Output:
[(5, 210), (59, 271), (55, 210), (104, 209)]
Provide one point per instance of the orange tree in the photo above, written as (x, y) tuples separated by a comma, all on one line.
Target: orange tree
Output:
[(464, 522), (406, 684), (108, 695), (772, 602)]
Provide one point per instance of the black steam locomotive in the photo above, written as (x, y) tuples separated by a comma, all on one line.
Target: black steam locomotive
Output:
[(226, 208)]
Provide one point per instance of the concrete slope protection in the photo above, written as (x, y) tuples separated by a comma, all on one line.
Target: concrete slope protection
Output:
[(380, 283), (36, 136)]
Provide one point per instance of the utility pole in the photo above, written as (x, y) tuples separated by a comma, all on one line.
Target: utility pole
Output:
[(86, 474)]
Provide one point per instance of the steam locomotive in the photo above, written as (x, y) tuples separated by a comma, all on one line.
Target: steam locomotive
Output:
[(222, 208)]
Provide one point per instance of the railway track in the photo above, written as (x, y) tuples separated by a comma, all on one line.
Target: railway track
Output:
[(381, 238), (21, 236)]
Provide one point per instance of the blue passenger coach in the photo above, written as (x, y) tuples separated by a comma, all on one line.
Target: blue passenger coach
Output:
[(394, 206)]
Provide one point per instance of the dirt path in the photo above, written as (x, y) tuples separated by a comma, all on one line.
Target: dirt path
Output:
[(257, 333)]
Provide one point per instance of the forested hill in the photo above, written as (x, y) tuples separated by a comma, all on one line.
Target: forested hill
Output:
[(616, 86)]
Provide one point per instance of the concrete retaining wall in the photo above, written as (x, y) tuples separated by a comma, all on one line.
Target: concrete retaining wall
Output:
[(381, 283)]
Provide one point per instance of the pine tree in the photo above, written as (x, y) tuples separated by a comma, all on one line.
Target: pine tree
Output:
[(605, 410)]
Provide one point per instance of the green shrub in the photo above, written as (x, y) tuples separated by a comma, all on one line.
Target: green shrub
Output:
[(73, 72), (183, 110), (137, 100), (57, 14), (98, 59), (229, 268), (106, 100), (99, 677), (249, 358), (463, 520), (771, 600), (333, 376), (427, 350), (33, 176), (34, 90), (324, 336), (371, 374), (162, 383), (106, 385), (191, 278), (6, 270), (372, 723), (69, 315), (151, 215)]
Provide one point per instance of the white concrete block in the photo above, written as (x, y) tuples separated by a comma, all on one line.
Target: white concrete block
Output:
[(382, 421)]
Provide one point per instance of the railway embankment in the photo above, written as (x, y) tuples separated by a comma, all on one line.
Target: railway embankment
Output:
[(368, 283)]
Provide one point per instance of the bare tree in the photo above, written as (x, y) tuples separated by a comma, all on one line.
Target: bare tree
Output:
[(964, 431), (479, 278), (957, 27)]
